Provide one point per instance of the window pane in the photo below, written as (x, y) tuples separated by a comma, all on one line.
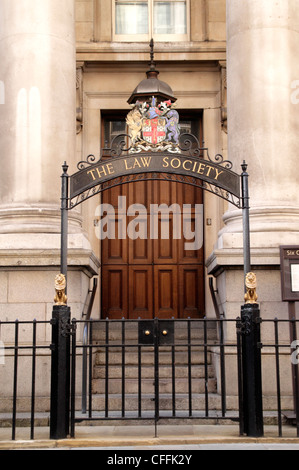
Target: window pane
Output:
[(112, 128), (170, 17), (131, 17)]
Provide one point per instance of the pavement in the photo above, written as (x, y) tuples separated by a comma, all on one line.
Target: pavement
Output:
[(142, 437)]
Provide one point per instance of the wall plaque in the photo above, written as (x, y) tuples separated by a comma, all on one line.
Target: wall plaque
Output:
[(289, 262)]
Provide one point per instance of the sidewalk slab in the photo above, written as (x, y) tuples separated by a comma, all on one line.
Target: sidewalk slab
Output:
[(144, 436)]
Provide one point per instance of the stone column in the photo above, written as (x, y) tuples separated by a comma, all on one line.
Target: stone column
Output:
[(37, 134), (37, 131), (263, 127)]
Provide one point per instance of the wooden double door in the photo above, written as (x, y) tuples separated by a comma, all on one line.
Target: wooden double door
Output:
[(152, 277)]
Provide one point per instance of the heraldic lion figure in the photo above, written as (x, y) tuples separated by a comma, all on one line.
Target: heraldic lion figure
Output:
[(250, 283), (134, 122)]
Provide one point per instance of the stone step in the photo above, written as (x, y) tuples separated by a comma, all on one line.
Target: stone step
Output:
[(148, 356), (148, 386), (181, 371), (165, 402)]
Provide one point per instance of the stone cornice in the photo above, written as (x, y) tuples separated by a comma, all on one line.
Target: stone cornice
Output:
[(164, 52)]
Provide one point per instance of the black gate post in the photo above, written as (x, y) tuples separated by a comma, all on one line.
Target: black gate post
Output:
[(64, 220), (60, 372), (252, 371), (245, 212)]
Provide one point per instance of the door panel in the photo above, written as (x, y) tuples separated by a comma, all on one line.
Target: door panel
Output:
[(114, 292), (185, 253), (191, 289), (114, 251), (141, 249), (141, 292), (165, 249), (141, 192), (164, 192), (166, 291)]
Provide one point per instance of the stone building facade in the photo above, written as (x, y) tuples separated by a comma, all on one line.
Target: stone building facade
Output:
[(67, 71)]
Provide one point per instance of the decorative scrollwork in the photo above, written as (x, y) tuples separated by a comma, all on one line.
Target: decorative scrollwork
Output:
[(220, 161), (119, 145), (90, 160), (189, 143)]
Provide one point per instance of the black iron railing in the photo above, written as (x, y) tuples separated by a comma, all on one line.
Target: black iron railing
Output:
[(162, 360), (151, 370), (86, 315), (23, 351)]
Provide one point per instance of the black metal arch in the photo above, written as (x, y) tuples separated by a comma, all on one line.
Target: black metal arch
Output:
[(127, 163), (175, 178)]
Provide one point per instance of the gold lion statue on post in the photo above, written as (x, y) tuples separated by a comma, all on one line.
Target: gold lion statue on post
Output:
[(60, 286), (250, 283)]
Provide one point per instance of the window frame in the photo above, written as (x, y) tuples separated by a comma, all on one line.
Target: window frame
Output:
[(147, 37)]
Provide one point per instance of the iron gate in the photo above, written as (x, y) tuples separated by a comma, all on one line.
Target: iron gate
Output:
[(154, 369), (221, 341)]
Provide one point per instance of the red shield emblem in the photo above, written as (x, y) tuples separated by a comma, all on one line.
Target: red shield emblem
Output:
[(153, 130)]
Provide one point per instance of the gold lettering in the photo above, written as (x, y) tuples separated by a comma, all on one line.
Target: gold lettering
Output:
[(136, 163), (201, 168), (218, 173), (184, 165), (101, 171), (146, 161), (110, 168), (126, 165), (209, 169), (175, 159), (91, 172), (165, 160), (194, 166)]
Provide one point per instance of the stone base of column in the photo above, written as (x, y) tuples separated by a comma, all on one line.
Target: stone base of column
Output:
[(29, 263), (27, 279)]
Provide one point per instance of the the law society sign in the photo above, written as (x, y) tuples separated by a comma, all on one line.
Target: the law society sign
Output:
[(289, 261), (104, 171)]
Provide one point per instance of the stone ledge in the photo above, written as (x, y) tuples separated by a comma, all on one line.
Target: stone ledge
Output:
[(37, 258), (233, 258)]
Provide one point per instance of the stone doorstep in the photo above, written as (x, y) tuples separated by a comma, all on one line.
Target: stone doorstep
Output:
[(181, 372), (165, 357), (165, 386)]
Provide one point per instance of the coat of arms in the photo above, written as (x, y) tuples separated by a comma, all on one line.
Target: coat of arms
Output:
[(154, 127), (154, 130)]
